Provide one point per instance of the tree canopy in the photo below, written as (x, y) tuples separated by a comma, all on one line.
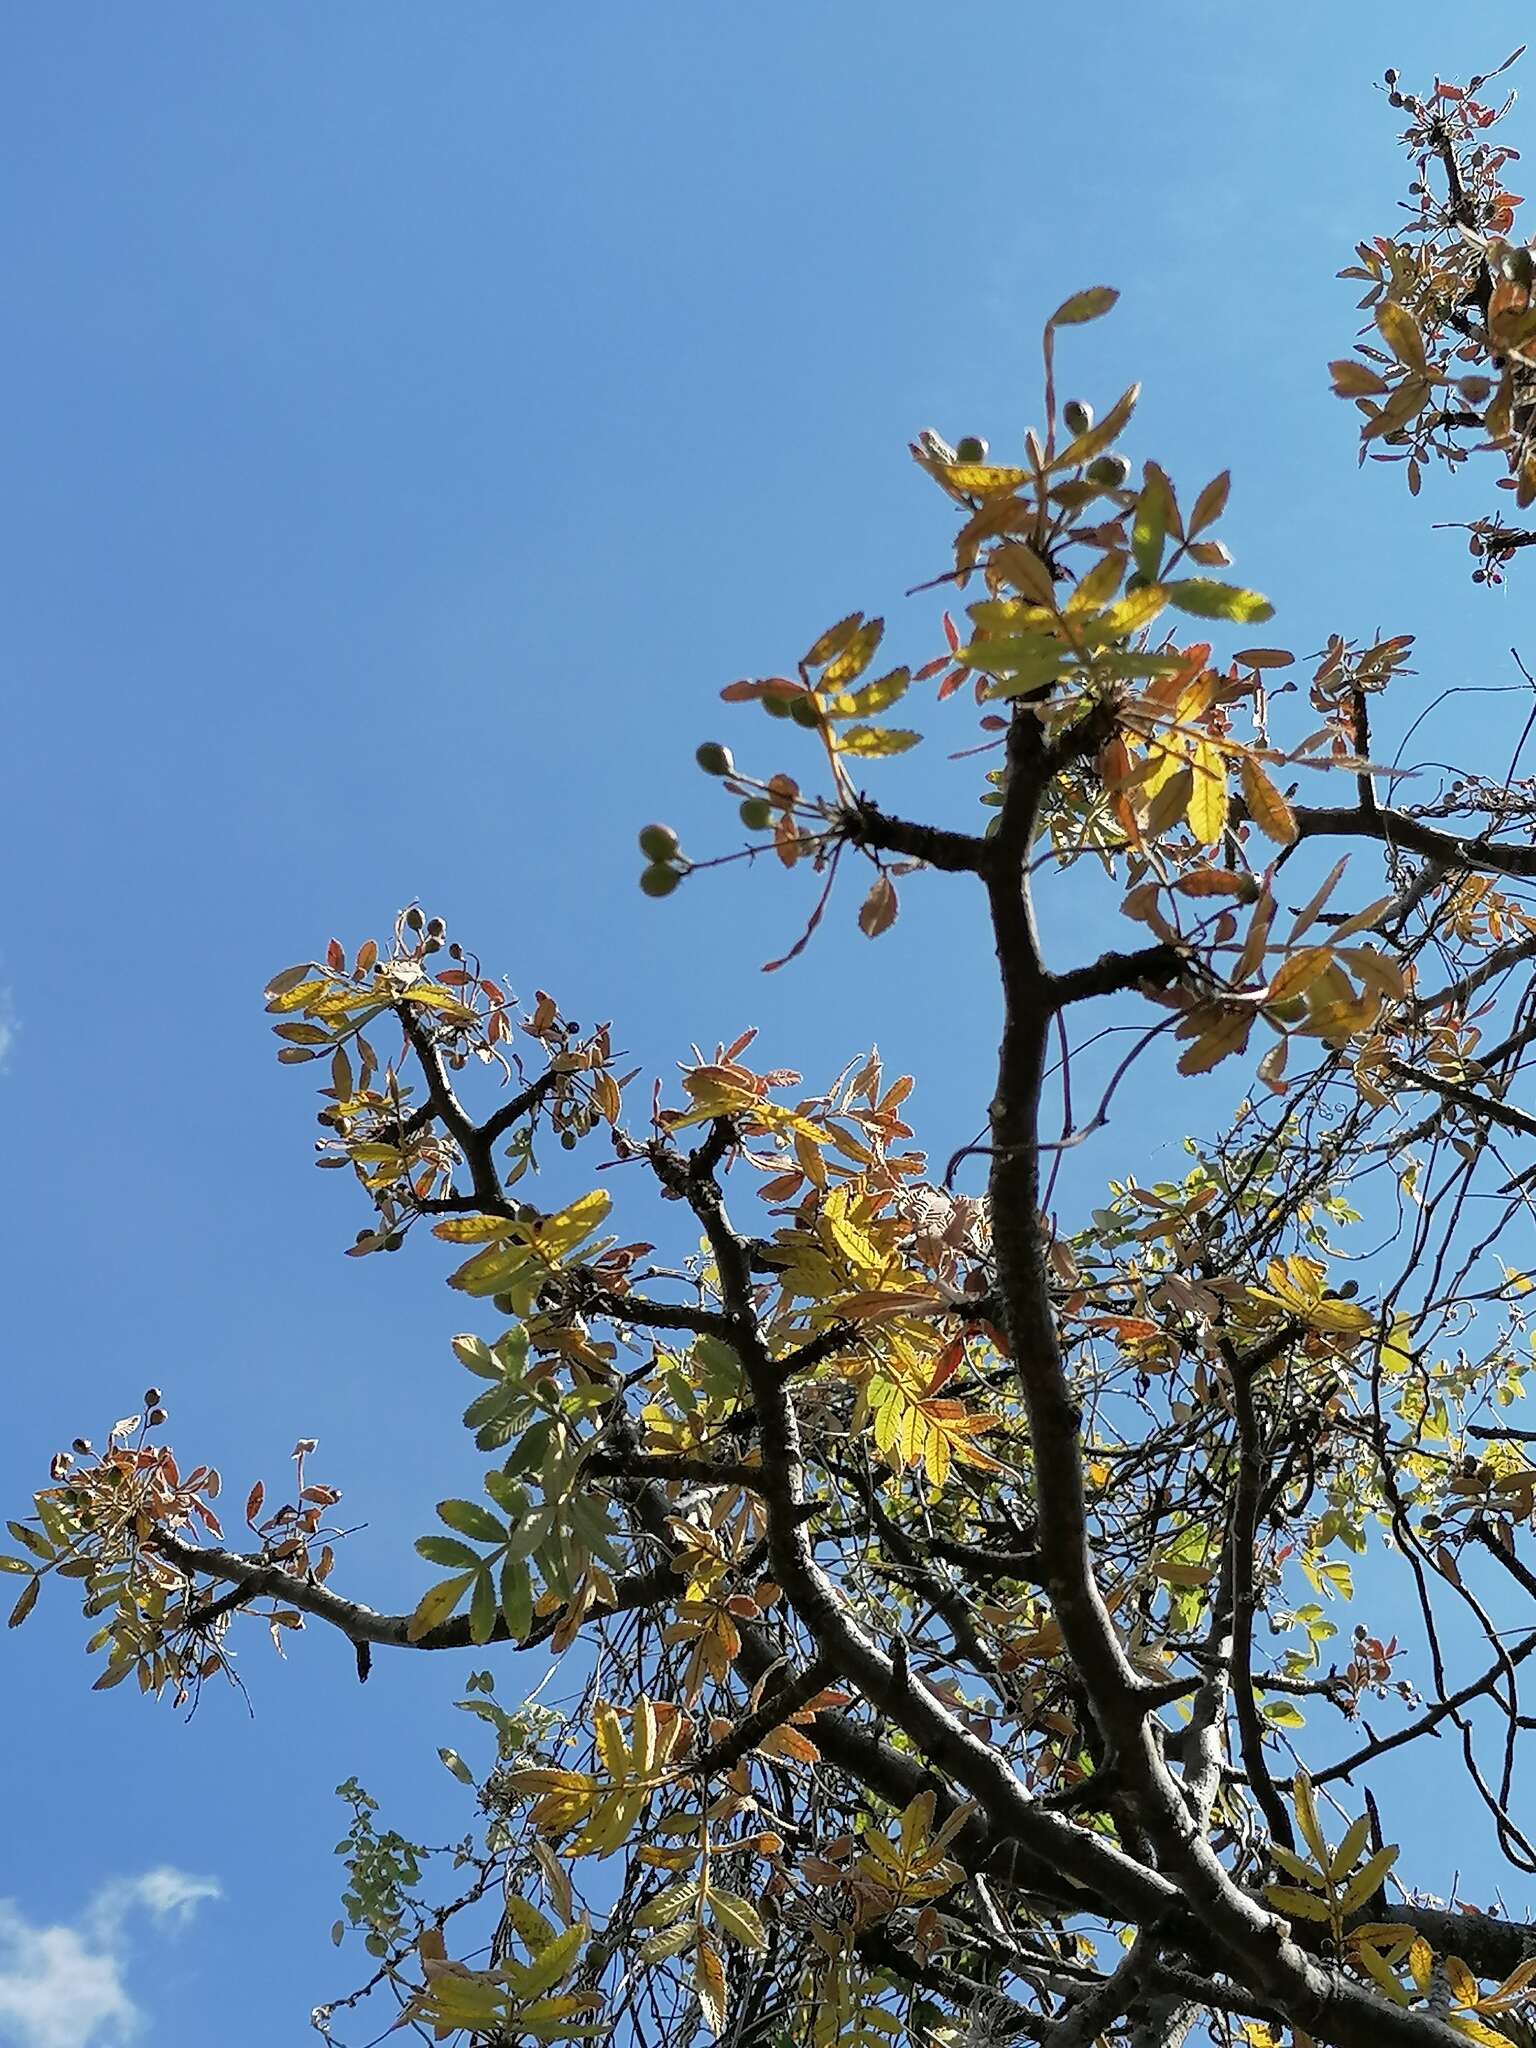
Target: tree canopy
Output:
[(954, 1593)]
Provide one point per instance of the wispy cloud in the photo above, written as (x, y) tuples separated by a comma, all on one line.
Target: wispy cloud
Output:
[(65, 1986)]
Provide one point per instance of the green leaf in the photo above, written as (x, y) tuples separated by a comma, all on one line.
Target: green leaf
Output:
[(552, 1962), (478, 1356), (26, 1603), (1207, 599), (33, 1540), (1284, 1714), (482, 1609), (449, 1551), (470, 1519), (1149, 525), (739, 1919), (1091, 304), (516, 1599)]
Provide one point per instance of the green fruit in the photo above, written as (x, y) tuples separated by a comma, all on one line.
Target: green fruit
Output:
[(658, 842), (715, 759), (776, 707), (1109, 470), (757, 813), (970, 448), (659, 881), (804, 712), (1136, 581), (1076, 416)]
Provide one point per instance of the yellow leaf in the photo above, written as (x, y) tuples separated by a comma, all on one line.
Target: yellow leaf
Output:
[(834, 640), (855, 656), (1307, 1820), (1226, 1033), (1400, 331), (1098, 586), (1266, 806), (709, 1982), (983, 477), (437, 1603), (1208, 798), (1137, 609)]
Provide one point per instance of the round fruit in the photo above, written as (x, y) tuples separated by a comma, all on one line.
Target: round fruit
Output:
[(804, 712), (715, 759), (970, 448), (1109, 470), (1077, 416), (776, 707), (658, 842), (757, 813), (657, 880), (1136, 581)]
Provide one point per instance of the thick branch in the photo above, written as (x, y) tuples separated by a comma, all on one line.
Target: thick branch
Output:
[(1397, 828), (1113, 972), (958, 853), (254, 1578)]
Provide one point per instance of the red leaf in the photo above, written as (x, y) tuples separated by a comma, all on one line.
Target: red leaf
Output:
[(947, 1364), (253, 1501), (335, 958)]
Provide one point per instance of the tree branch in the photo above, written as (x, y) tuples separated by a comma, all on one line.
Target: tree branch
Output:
[(1397, 828)]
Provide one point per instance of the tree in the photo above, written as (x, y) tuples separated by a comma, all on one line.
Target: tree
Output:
[(950, 1581)]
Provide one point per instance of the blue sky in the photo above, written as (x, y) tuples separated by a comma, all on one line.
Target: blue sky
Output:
[(416, 414)]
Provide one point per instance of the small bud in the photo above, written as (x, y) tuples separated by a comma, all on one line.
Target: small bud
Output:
[(970, 448), (1077, 416), (152, 1397), (715, 759)]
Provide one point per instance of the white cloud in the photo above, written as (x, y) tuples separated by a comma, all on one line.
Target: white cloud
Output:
[(64, 1986)]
